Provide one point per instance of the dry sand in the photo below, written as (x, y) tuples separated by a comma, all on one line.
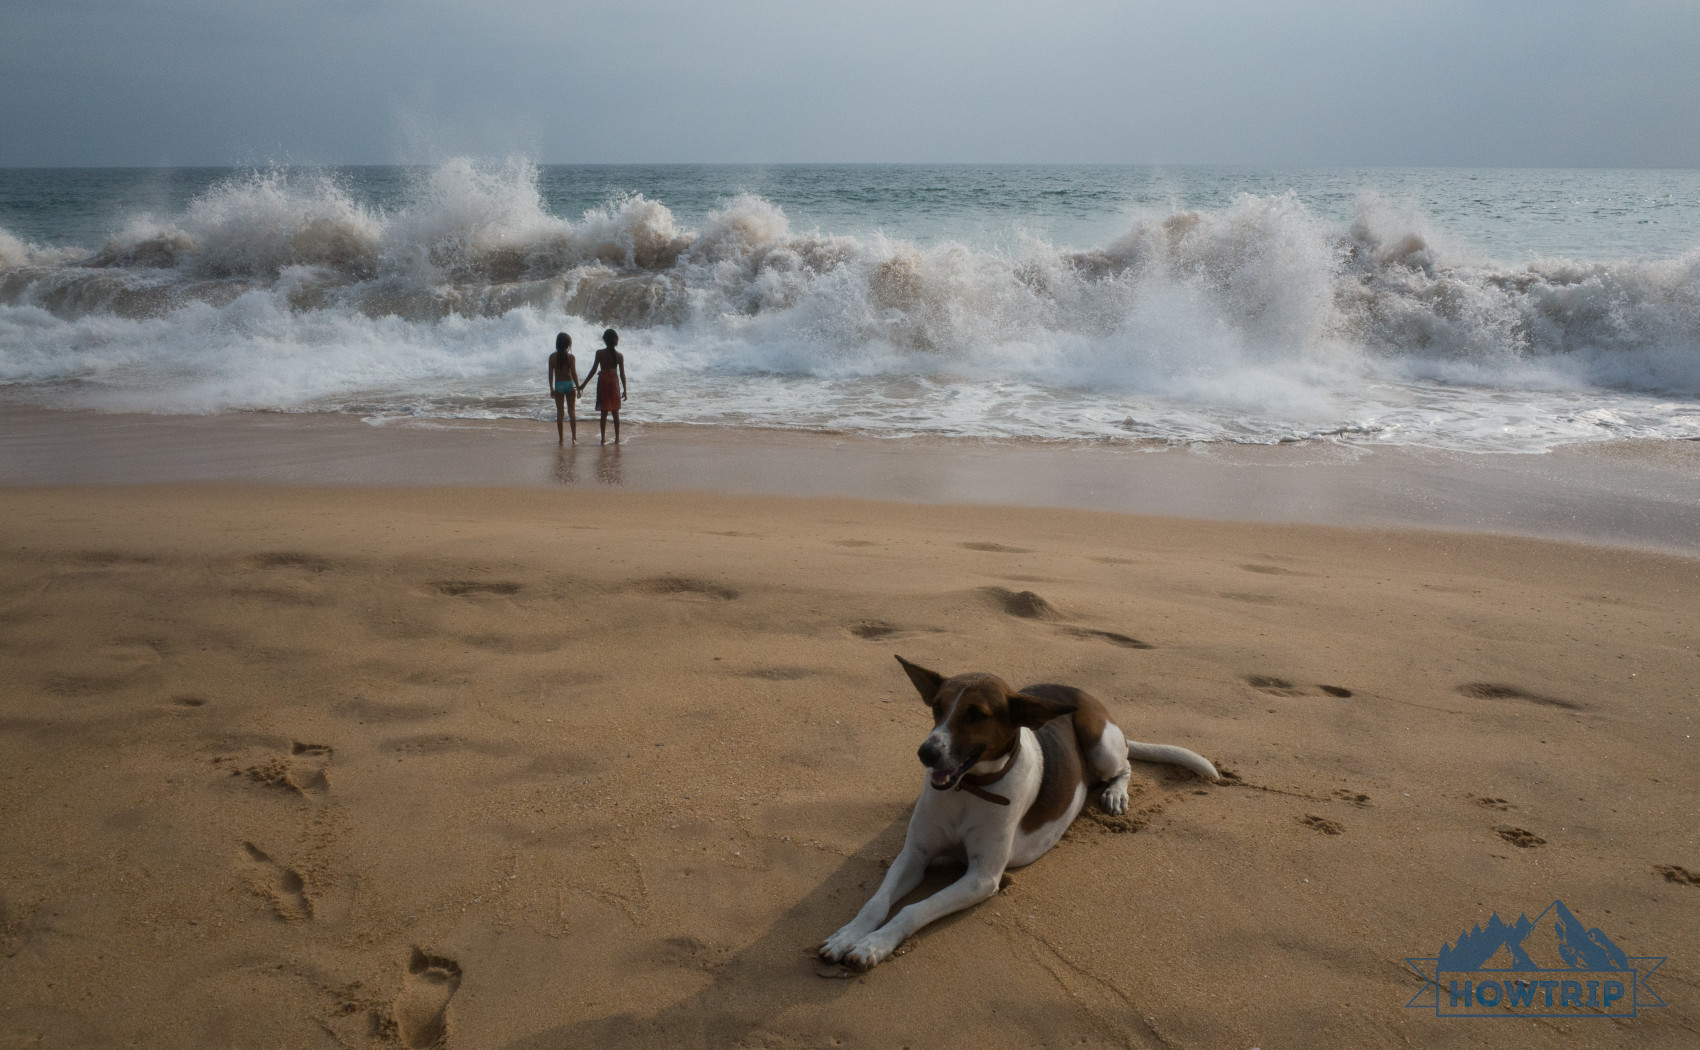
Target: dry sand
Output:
[(505, 768)]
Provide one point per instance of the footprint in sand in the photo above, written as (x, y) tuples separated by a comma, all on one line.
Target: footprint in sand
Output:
[(469, 588), (1273, 685), (288, 560), (1336, 690), (1322, 824), (1519, 837), (306, 768), (1678, 874), (872, 629), (278, 883), (107, 559), (421, 1012), (689, 953), (1251, 599), (1500, 691), (995, 548), (1490, 803), (303, 771), (1356, 798), (1112, 637), (687, 588)]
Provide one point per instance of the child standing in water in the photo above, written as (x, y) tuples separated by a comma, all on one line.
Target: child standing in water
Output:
[(563, 386), (610, 390)]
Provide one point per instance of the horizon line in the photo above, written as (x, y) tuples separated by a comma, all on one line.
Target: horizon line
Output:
[(853, 164)]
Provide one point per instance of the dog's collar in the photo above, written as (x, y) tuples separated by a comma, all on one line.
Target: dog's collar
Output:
[(976, 784)]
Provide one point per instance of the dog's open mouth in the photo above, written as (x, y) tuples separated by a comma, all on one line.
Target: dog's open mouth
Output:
[(945, 779)]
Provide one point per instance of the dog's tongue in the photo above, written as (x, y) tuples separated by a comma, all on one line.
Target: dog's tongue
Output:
[(941, 777)]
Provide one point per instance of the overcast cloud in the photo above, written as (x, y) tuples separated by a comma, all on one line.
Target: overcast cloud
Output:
[(1303, 82)]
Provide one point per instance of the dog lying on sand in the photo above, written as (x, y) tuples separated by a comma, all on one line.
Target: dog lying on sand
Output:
[(1007, 772)]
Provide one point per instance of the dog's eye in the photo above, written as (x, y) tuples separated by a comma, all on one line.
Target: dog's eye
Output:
[(938, 708), (974, 714)]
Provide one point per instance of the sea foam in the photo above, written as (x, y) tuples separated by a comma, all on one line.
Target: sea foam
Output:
[(1258, 321)]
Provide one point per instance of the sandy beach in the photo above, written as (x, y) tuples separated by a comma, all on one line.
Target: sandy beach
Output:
[(507, 767), (1312, 394)]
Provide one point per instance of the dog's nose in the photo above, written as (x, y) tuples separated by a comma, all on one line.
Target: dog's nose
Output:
[(929, 752)]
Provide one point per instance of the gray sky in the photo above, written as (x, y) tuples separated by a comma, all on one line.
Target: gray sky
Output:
[(1301, 82)]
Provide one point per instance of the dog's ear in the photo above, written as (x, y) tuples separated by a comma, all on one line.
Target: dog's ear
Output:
[(1034, 711), (926, 682)]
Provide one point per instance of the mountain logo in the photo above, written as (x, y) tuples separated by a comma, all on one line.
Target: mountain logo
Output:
[(1552, 967)]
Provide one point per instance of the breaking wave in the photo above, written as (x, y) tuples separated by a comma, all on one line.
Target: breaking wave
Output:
[(1257, 322)]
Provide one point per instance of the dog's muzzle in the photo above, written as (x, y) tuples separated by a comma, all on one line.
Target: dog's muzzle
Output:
[(940, 776)]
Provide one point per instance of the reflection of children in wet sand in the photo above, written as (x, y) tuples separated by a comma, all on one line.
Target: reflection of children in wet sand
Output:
[(610, 390), (563, 385)]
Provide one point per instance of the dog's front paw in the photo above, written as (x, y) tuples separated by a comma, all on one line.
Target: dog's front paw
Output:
[(834, 948), (870, 951), (1114, 799)]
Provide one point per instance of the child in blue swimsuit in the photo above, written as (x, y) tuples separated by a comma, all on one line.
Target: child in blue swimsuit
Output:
[(563, 386)]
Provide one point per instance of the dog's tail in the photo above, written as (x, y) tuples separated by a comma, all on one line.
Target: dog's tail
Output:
[(1169, 754)]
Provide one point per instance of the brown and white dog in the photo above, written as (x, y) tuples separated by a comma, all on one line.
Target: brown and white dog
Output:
[(1007, 772)]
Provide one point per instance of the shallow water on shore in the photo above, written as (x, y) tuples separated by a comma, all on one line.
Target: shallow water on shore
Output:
[(1624, 493)]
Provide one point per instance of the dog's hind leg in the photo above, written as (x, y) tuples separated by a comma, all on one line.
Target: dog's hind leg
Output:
[(904, 875), (1107, 759)]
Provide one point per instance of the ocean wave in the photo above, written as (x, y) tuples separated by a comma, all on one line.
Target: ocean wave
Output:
[(1258, 321)]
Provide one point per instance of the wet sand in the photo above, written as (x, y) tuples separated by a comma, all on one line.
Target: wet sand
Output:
[(284, 765), (1641, 494)]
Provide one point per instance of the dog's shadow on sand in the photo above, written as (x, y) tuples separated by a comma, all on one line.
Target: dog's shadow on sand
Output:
[(776, 973)]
